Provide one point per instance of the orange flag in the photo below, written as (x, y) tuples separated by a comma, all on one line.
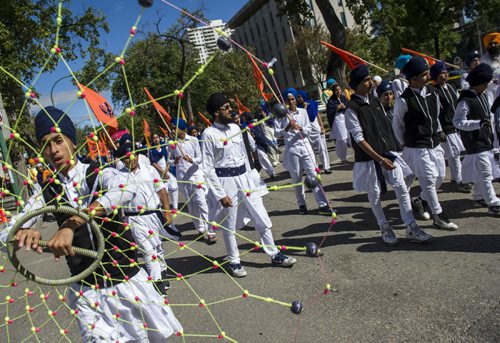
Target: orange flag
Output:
[(147, 132), (241, 107), (259, 78), (100, 106), (351, 60), (165, 132), (92, 146), (204, 119), (103, 149), (430, 60), (158, 107)]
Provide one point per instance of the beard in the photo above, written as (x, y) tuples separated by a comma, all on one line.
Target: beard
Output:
[(225, 120), (494, 51)]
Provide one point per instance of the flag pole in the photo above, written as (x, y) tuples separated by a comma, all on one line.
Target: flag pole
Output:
[(357, 57), (427, 56)]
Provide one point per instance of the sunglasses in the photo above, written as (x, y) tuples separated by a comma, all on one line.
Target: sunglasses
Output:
[(225, 107)]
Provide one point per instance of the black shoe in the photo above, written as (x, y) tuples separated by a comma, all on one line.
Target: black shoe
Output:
[(282, 260), (480, 203), (327, 171), (302, 209), (462, 187), (162, 287), (494, 210), (420, 206), (325, 210), (210, 239)]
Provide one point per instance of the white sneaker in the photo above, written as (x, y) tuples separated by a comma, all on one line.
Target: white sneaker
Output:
[(237, 270), (388, 235), (415, 234), (442, 222)]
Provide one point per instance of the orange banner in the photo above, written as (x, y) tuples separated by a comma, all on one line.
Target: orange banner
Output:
[(147, 132), (100, 106), (103, 149), (92, 147), (165, 132), (241, 107), (158, 107), (204, 119), (351, 60), (259, 78), (430, 60)]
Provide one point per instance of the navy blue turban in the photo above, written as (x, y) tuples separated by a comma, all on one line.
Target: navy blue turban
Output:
[(51, 117), (415, 66), (479, 75), (357, 75)]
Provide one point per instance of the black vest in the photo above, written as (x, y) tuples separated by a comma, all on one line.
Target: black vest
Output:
[(478, 140), (376, 129), (389, 116), (421, 127), (449, 100), (116, 248)]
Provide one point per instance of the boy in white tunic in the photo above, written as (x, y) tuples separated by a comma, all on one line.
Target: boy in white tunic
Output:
[(228, 176), (187, 160), (299, 155), (77, 186), (375, 157), (474, 121), (416, 126)]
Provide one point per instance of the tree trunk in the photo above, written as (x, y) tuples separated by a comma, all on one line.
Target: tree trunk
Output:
[(335, 67), (437, 50), (189, 106)]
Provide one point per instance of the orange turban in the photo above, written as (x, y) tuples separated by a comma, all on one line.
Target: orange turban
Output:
[(491, 37)]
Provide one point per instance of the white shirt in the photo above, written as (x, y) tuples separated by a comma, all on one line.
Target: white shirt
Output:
[(295, 141), (460, 120), (146, 195), (110, 180), (400, 109), (399, 85), (189, 146), (223, 147), (352, 122)]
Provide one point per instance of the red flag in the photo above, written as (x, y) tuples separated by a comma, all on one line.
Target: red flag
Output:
[(241, 107), (147, 132), (100, 106), (204, 119), (430, 60), (158, 107), (351, 60), (259, 78)]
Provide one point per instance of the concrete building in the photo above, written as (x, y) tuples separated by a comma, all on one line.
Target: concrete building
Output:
[(258, 24), (204, 38)]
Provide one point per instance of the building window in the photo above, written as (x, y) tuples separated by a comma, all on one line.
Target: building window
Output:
[(276, 39), (271, 18), (339, 2), (284, 34), (251, 34), (343, 18), (258, 31), (246, 38), (265, 25)]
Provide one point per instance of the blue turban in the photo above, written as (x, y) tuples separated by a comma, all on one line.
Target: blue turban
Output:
[(312, 107), (437, 68), (401, 61), (415, 66), (470, 56), (479, 75), (48, 118), (383, 87), (330, 82), (287, 91), (125, 138), (357, 75), (179, 123)]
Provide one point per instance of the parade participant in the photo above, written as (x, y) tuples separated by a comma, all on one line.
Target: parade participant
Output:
[(471, 61), (225, 167), (269, 131), (400, 83), (317, 134), (148, 211), (449, 140), (187, 159), (491, 42), (473, 119), (377, 80), (375, 160), (335, 109), (76, 187), (328, 92), (416, 126), (159, 157), (299, 156)]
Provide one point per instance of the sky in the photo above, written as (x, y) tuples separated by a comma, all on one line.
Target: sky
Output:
[(121, 15)]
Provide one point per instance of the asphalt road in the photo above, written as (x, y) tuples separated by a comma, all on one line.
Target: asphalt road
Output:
[(445, 291)]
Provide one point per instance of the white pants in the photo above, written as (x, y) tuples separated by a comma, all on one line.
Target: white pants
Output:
[(341, 136), (149, 244), (452, 148), (197, 204), (318, 143), (265, 162), (273, 154), (478, 169), (296, 165), (173, 190), (232, 218), (429, 167), (368, 182)]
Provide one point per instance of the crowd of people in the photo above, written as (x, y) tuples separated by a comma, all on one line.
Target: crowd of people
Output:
[(399, 130)]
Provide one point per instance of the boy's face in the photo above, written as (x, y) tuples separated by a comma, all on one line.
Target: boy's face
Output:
[(291, 102), (420, 80), (131, 164), (442, 78), (156, 139), (365, 86), (387, 98), (57, 149)]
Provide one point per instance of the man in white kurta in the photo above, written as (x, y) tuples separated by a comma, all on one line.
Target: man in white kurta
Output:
[(225, 168), (299, 155)]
